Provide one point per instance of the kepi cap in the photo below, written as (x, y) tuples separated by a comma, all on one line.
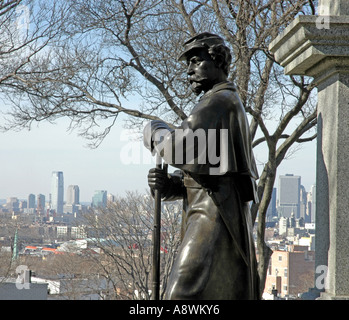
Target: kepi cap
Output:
[(202, 40)]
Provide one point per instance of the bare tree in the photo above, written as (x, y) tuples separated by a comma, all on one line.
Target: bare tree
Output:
[(117, 58), (122, 232), (78, 275), (27, 28)]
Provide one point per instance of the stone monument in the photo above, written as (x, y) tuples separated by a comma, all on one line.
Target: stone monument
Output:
[(318, 46)]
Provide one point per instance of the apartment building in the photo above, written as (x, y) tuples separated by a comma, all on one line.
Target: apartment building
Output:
[(291, 271)]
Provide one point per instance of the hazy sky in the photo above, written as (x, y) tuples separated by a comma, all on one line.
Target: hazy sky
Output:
[(118, 165), (29, 157)]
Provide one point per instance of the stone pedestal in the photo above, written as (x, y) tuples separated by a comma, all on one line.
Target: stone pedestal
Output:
[(318, 46)]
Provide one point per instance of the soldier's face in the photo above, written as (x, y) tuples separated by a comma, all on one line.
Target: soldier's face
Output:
[(202, 71)]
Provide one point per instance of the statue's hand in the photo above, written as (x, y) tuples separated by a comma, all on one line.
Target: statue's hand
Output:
[(158, 179)]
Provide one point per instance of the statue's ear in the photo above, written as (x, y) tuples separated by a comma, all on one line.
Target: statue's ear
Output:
[(219, 61)]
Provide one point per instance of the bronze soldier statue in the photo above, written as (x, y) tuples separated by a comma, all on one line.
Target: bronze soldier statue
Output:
[(216, 180)]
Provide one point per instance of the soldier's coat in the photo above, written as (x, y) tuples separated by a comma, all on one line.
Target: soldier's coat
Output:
[(216, 259)]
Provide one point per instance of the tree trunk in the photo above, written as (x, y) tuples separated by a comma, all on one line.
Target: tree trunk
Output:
[(266, 185), (264, 256)]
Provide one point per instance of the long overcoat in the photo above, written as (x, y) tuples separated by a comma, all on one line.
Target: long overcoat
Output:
[(216, 180)]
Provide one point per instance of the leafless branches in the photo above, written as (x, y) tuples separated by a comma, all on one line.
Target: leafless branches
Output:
[(123, 233), (92, 61)]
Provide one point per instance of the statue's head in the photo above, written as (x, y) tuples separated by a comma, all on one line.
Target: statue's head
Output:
[(208, 60)]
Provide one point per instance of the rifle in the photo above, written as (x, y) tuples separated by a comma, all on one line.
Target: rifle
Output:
[(156, 236)]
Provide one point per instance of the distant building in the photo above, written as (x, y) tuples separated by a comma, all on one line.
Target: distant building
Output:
[(110, 198), (62, 231), (78, 232), (303, 202), (283, 225), (41, 204), (271, 211), (12, 204), (291, 272), (313, 203), (23, 204), (288, 201), (73, 199), (99, 199), (57, 191), (31, 201), (290, 227), (73, 195), (308, 241)]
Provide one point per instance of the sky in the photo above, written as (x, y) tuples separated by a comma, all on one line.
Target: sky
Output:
[(27, 159), (119, 164)]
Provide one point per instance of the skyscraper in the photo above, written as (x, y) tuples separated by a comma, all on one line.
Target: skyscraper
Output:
[(31, 201), (99, 199), (313, 203), (271, 211), (303, 203), (73, 195), (57, 185), (41, 204), (288, 195), (110, 198)]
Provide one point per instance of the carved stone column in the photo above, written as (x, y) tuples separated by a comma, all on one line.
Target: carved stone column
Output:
[(318, 46)]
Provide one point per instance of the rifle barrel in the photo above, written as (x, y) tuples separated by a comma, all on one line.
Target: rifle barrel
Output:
[(156, 241)]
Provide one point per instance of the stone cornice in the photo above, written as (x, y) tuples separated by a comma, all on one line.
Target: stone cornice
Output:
[(306, 42)]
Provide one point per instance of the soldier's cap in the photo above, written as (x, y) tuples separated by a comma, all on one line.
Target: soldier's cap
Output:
[(200, 41)]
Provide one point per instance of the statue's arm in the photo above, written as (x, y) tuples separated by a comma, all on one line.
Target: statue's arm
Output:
[(170, 185), (175, 189)]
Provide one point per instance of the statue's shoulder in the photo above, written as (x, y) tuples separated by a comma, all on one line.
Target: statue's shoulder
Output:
[(221, 101), (224, 89), (224, 94), (219, 88)]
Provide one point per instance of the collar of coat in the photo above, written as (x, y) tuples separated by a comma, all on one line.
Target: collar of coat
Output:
[(226, 85)]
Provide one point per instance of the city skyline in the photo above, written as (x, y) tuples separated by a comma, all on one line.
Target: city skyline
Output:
[(71, 194), (29, 158)]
